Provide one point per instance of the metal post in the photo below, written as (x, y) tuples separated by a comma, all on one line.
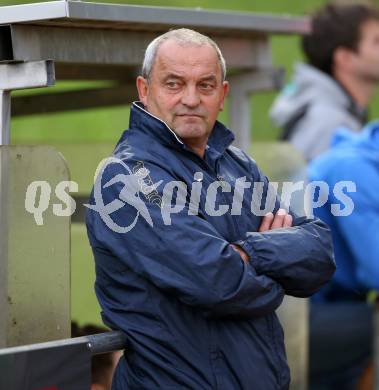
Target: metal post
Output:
[(5, 117), (239, 114), (5, 108), (13, 75), (241, 87)]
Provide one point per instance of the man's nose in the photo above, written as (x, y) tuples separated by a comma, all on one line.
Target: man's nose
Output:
[(190, 96)]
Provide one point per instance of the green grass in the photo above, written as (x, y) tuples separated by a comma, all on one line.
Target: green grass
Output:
[(84, 306)]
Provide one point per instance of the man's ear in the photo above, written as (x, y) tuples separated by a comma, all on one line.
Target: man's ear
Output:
[(225, 88), (143, 89), (342, 58)]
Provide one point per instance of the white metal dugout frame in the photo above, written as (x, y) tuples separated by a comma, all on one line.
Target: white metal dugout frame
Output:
[(107, 42), (74, 40)]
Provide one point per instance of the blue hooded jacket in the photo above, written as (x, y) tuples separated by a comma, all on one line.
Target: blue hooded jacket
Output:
[(195, 314), (353, 158)]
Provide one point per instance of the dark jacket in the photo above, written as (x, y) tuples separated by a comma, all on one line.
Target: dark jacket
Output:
[(195, 315)]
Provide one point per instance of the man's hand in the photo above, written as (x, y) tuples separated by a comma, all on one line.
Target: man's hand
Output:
[(242, 253), (281, 220)]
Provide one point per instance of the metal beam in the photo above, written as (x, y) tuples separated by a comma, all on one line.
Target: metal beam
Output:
[(73, 100), (91, 46), (121, 73), (242, 85), (117, 47), (97, 343), (123, 16), (15, 75), (197, 18), (20, 75), (38, 11)]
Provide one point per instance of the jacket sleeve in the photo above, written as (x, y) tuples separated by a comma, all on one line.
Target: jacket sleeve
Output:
[(186, 258), (360, 229), (300, 258)]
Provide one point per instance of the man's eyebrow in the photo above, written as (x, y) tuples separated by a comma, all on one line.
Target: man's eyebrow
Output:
[(172, 76), (211, 77)]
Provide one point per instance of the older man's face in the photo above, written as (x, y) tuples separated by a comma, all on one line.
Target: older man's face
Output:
[(185, 90)]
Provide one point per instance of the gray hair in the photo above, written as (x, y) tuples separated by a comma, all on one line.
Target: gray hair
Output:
[(182, 36)]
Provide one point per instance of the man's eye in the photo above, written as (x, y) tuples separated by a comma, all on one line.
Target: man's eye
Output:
[(206, 86), (172, 84)]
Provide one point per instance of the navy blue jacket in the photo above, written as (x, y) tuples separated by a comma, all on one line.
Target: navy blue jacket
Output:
[(195, 314)]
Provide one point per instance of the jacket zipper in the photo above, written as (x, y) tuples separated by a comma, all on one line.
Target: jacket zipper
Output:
[(213, 173)]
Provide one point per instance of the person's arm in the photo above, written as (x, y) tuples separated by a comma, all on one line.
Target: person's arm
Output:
[(187, 258), (300, 257)]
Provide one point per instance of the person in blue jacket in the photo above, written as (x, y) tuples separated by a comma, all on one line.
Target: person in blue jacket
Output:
[(354, 158), (190, 265), (340, 310)]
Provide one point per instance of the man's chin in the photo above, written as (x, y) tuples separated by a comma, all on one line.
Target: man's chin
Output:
[(190, 131), (372, 78)]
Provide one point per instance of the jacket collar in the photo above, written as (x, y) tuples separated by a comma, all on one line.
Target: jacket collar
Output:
[(140, 119), (324, 85), (361, 114), (369, 137)]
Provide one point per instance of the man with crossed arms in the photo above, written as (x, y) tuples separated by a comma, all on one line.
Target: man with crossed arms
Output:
[(196, 294)]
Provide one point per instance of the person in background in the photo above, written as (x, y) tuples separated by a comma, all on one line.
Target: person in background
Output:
[(103, 365), (333, 90), (354, 159), (335, 87)]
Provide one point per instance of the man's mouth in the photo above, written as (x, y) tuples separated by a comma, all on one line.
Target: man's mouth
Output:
[(190, 115)]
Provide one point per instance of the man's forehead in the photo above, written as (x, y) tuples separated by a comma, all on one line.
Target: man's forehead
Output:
[(173, 56)]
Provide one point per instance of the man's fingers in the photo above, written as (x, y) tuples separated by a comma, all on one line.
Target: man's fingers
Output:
[(287, 221), (279, 219), (266, 222)]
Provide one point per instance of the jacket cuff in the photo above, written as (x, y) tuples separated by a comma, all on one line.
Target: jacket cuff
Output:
[(247, 246)]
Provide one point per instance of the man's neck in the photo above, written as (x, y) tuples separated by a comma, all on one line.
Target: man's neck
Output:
[(196, 147), (199, 150), (361, 91)]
